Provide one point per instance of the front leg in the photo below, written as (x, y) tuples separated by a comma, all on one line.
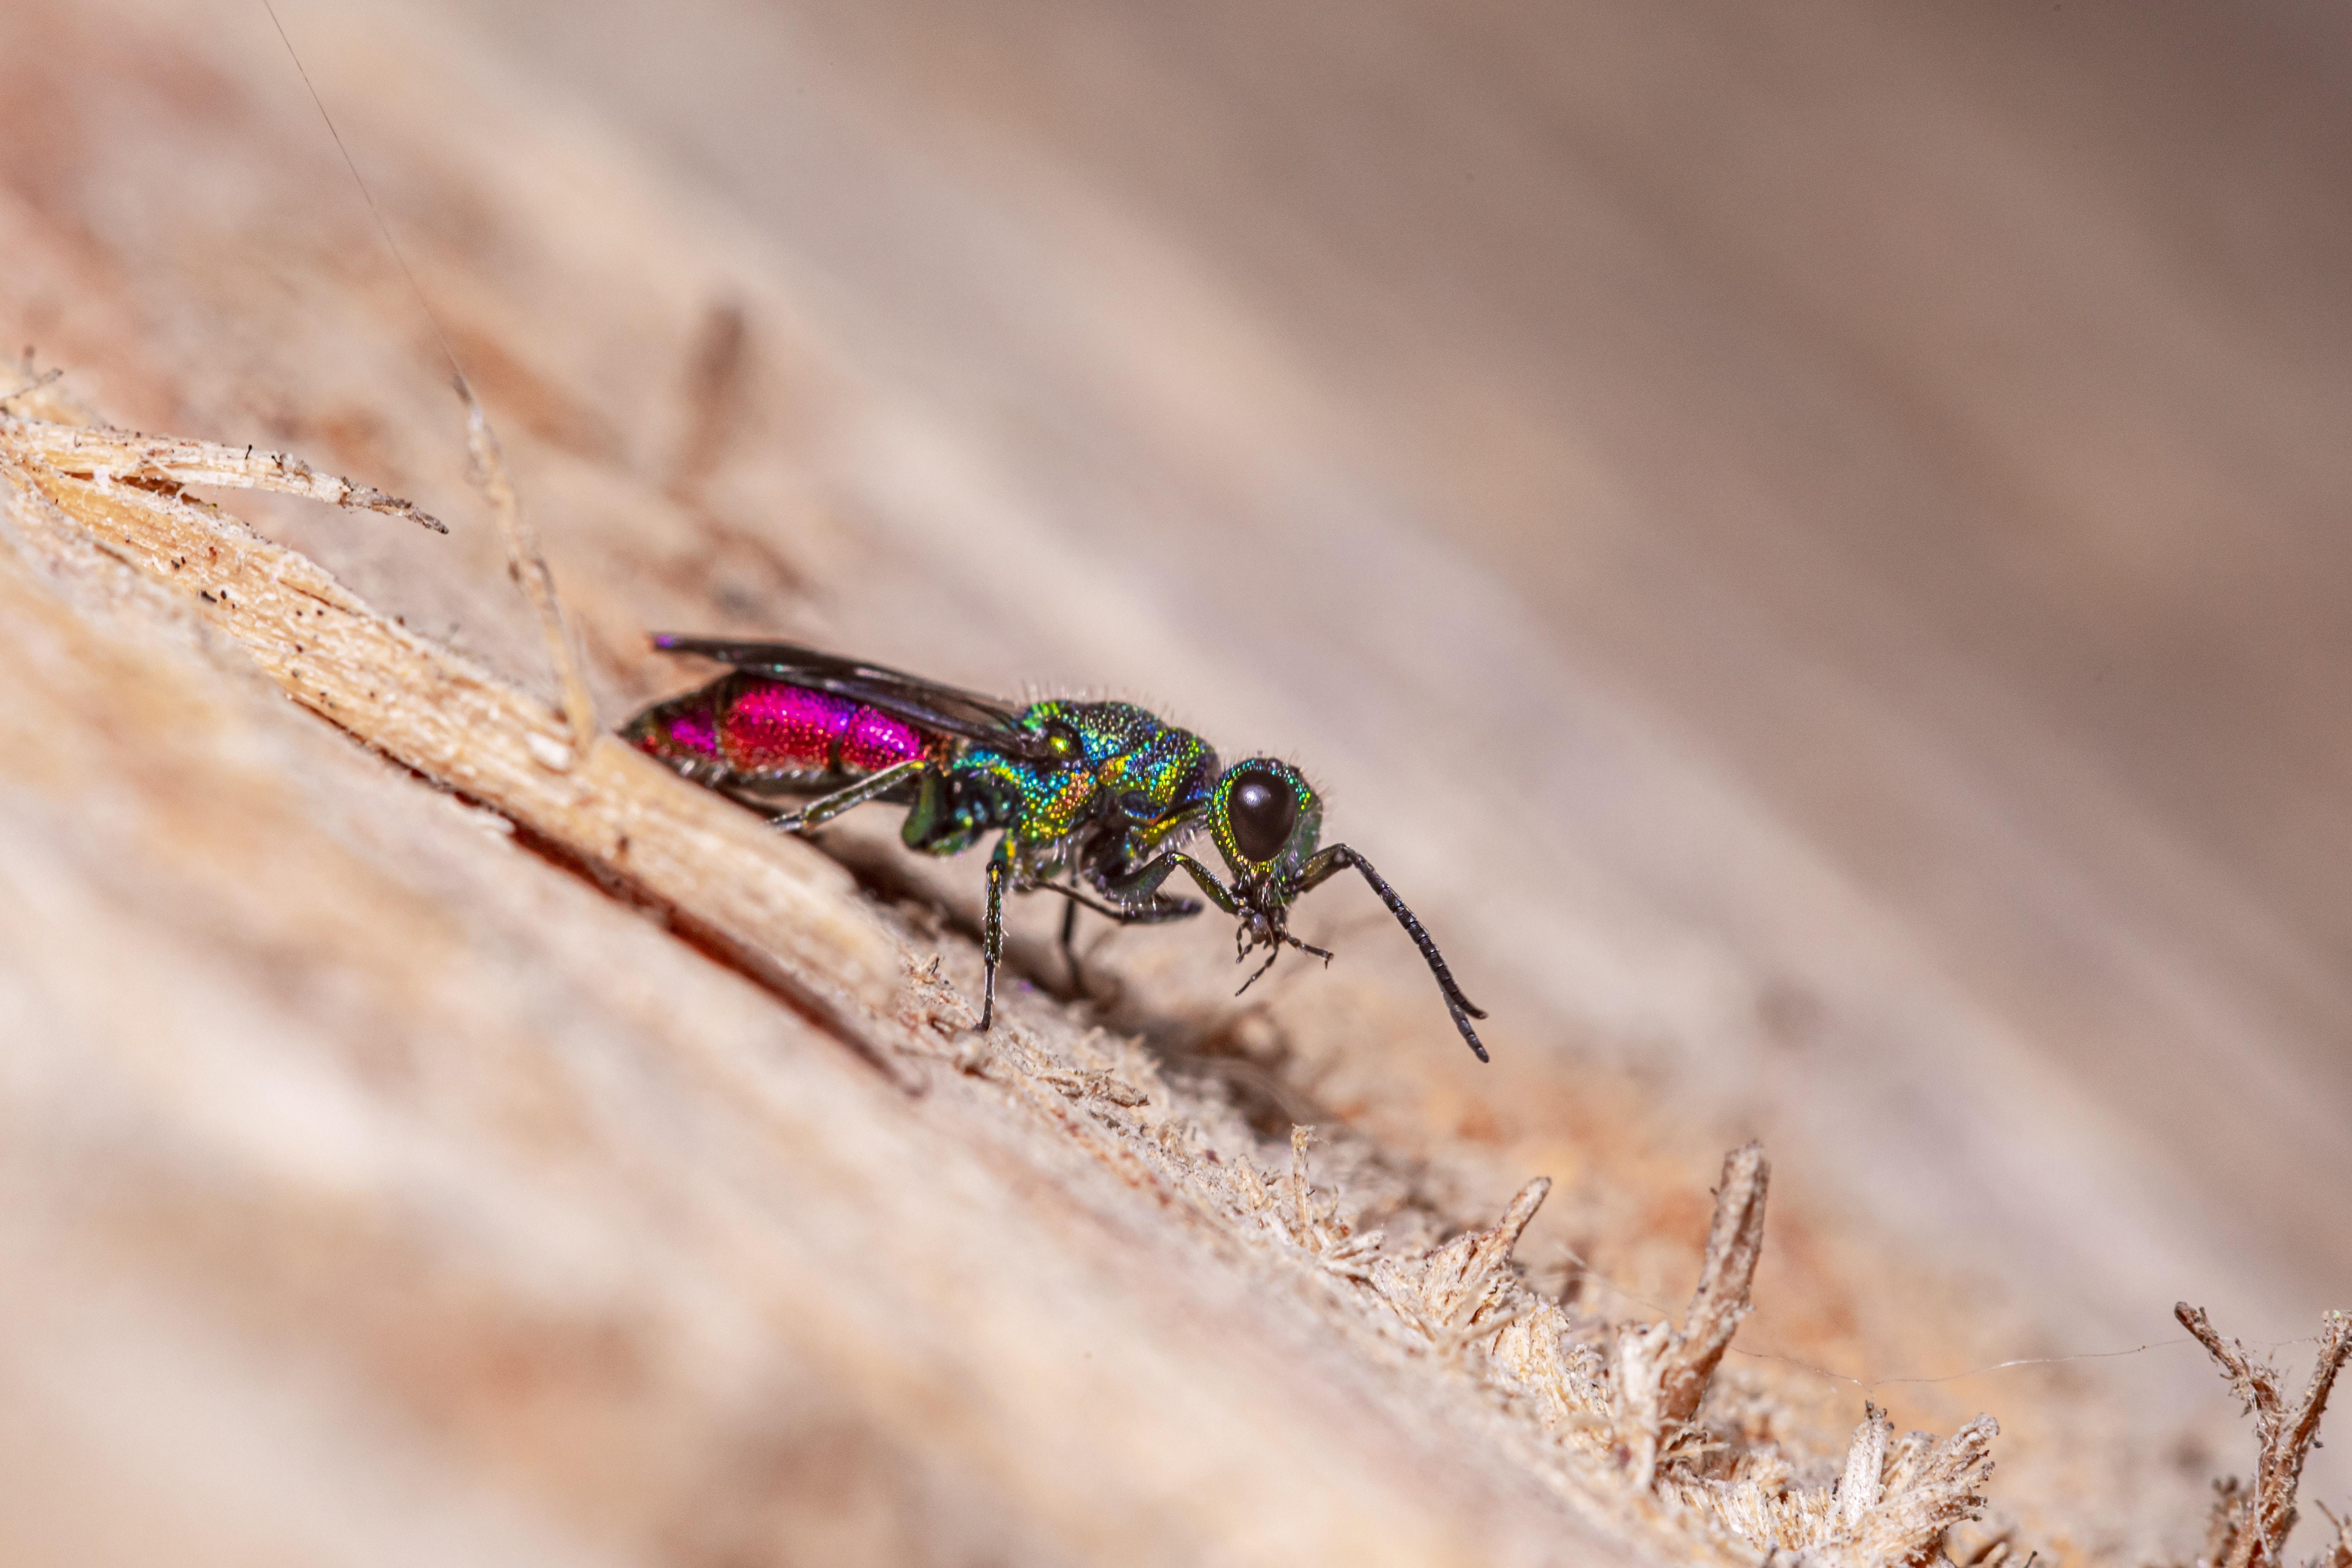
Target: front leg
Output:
[(1340, 856), (1142, 884), (1159, 909)]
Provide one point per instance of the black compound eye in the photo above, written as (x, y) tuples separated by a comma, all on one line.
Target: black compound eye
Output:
[(1262, 810), (1139, 806)]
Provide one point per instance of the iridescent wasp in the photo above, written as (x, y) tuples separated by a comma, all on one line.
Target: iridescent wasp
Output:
[(1101, 794)]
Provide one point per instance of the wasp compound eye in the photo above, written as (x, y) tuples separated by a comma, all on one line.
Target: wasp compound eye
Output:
[(1262, 810)]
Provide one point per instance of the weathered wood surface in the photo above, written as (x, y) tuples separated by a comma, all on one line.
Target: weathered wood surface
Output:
[(1813, 556)]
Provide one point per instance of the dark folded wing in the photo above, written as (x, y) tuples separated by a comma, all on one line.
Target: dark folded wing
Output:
[(925, 704)]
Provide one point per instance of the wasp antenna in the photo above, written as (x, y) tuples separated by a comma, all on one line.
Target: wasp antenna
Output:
[(1469, 1035), (1462, 1008)]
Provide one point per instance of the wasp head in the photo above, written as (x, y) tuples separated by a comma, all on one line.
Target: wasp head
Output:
[(1267, 821)]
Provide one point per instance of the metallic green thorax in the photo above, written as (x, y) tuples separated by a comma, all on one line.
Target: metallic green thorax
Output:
[(1121, 764), (1110, 786)]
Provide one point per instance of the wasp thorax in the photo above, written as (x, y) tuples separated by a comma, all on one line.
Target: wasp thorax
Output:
[(1262, 810)]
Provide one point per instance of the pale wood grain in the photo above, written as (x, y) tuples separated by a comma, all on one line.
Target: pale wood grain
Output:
[(1801, 546)]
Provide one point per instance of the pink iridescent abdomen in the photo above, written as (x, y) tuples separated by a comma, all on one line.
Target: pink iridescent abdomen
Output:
[(772, 728), (763, 728), (769, 727), (877, 741), (691, 730)]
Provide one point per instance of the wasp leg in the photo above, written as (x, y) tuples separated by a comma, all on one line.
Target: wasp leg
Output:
[(826, 808), (991, 929), (1337, 857), (1161, 909), (1143, 882), (1069, 942), (941, 819)]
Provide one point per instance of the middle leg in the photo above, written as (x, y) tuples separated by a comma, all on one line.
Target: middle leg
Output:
[(992, 928)]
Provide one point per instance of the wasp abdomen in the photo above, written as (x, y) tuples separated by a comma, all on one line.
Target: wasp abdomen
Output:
[(770, 726), (756, 728)]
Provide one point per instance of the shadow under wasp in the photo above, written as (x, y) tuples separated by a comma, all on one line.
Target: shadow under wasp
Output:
[(1091, 801)]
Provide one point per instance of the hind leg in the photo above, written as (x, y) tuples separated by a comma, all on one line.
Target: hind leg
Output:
[(827, 807)]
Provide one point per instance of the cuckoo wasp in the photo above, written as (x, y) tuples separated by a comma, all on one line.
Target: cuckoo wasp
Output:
[(1089, 800)]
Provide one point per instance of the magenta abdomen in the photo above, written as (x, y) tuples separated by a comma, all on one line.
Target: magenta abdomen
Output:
[(876, 741), (769, 727), (692, 731)]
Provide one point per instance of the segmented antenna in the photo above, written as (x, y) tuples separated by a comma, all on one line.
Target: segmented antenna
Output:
[(526, 562)]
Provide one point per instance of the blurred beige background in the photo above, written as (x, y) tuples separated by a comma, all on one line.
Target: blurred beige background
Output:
[(1818, 541), (1809, 542)]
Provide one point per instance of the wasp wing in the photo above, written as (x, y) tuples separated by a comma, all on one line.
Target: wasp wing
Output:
[(926, 704)]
